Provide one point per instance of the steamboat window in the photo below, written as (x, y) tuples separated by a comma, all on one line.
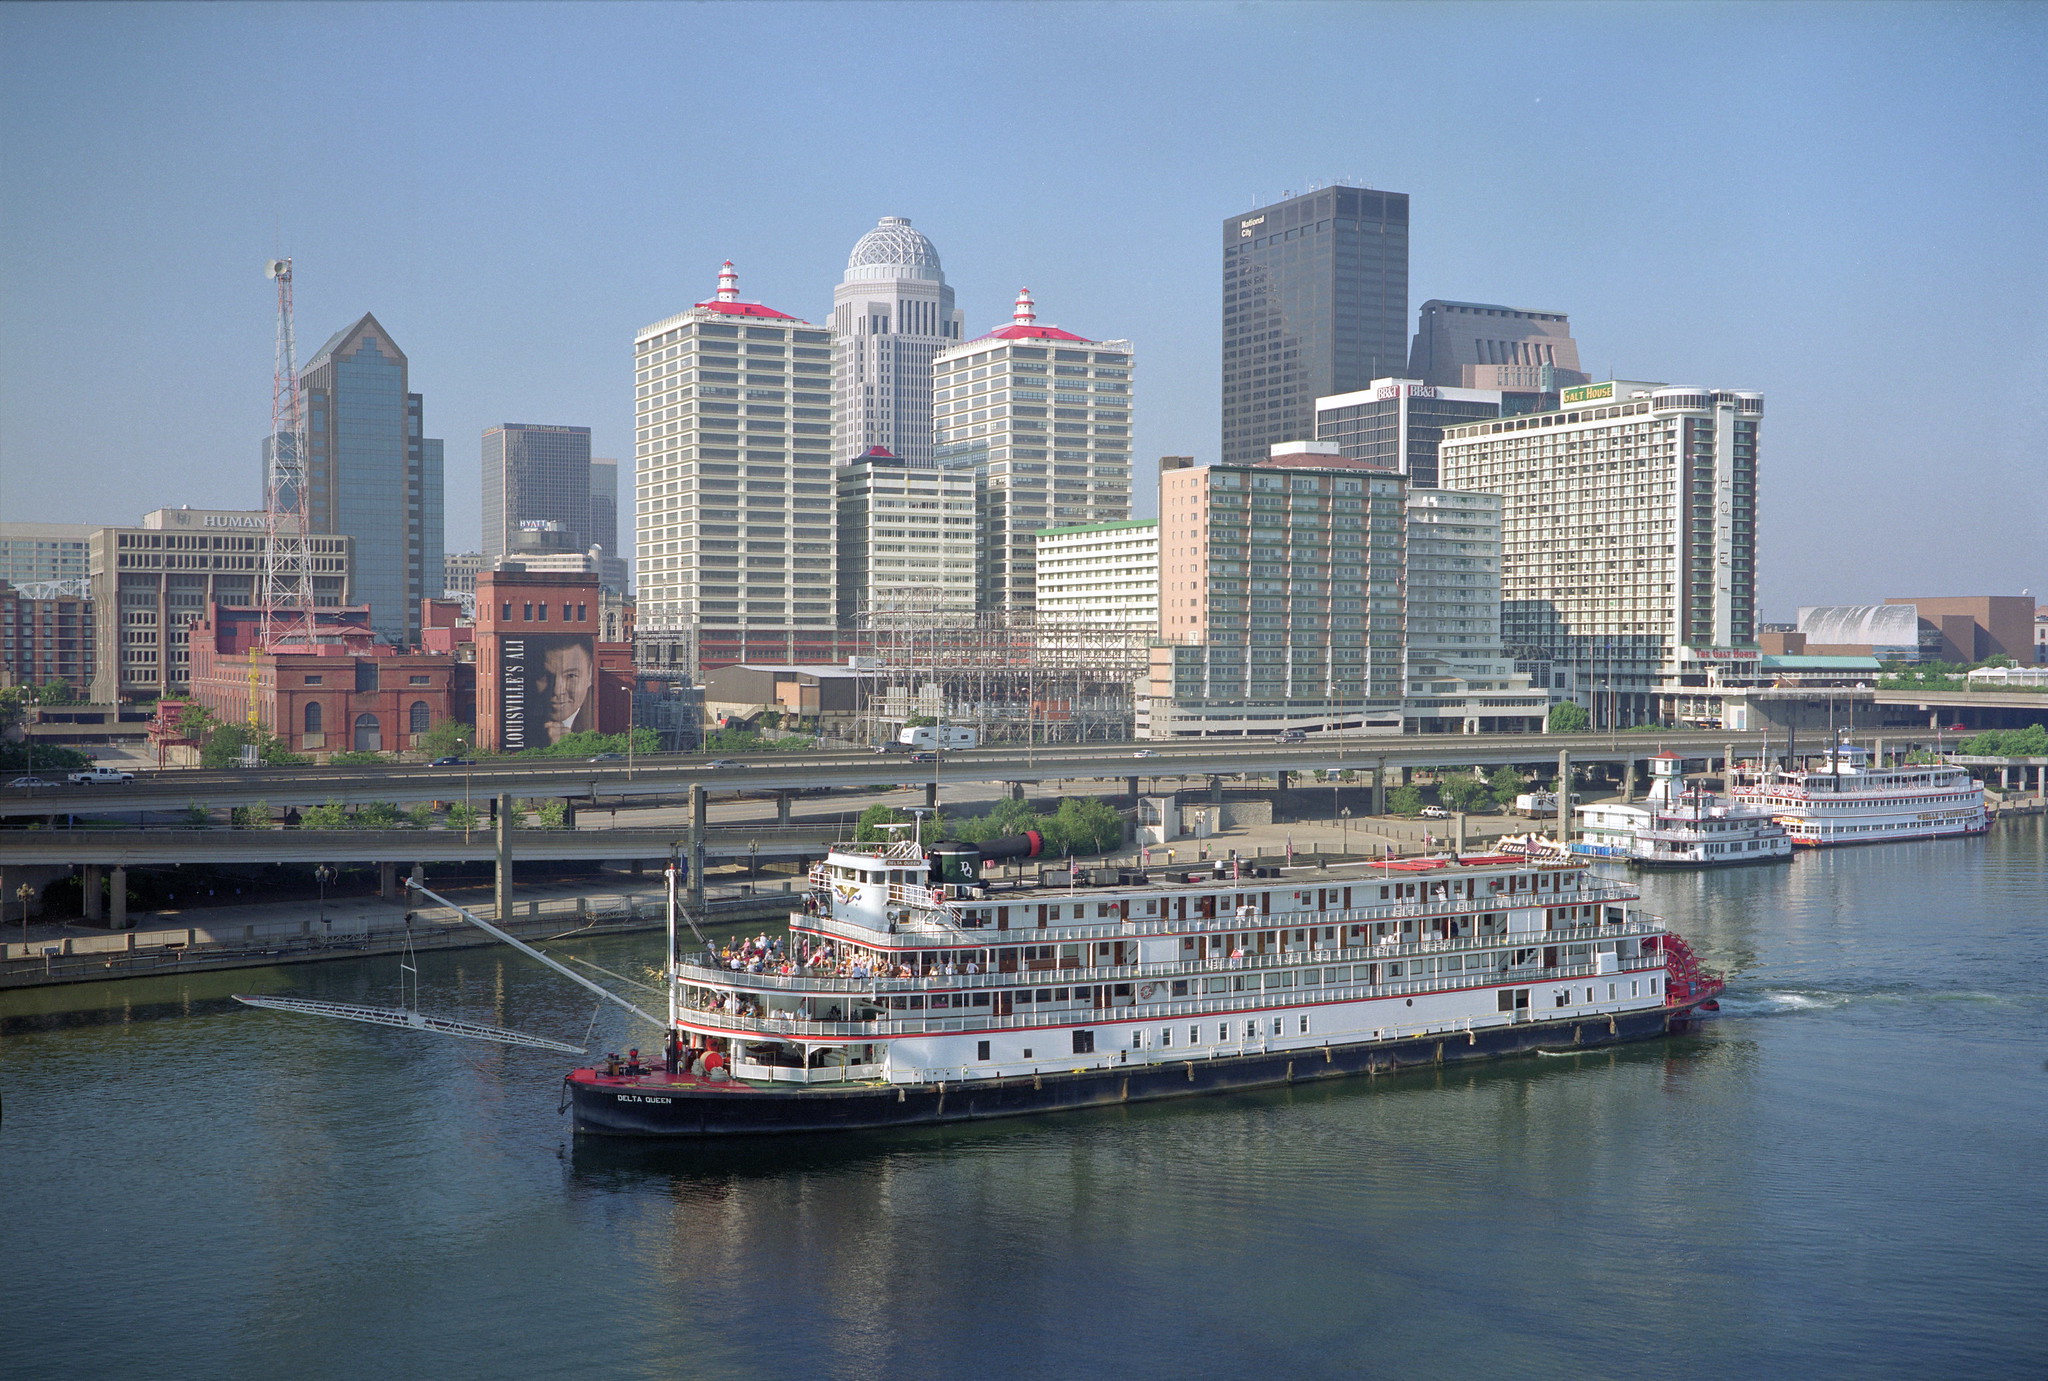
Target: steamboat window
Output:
[(1278, 1024), (1165, 1035), (1045, 995), (1137, 1040), (1084, 1043), (1610, 992), (1304, 1024), (981, 1050), (1223, 1031), (1194, 1035), (981, 999)]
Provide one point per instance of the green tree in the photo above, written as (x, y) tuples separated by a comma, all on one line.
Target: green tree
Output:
[(420, 817), (197, 817), (256, 817), (350, 757), (550, 815), (920, 721), (1569, 717), (1463, 791), (1505, 783), (2030, 742), (330, 815), (1405, 800), (448, 739), (462, 816), (868, 828), (195, 720)]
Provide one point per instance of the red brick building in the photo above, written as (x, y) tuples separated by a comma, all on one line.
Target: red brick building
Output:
[(45, 639), (348, 691), (542, 671)]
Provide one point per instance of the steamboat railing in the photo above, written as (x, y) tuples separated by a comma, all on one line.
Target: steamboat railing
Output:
[(1185, 1008)]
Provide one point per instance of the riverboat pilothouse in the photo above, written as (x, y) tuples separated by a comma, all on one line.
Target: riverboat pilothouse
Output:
[(915, 988), (1845, 800)]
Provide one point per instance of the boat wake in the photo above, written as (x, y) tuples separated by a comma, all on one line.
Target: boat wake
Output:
[(1772, 1002)]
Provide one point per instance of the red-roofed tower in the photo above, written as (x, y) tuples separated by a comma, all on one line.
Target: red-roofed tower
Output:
[(1043, 418), (734, 521)]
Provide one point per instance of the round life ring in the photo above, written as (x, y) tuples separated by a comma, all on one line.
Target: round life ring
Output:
[(1146, 990)]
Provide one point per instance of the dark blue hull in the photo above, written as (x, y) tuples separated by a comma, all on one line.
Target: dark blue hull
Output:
[(651, 1110)]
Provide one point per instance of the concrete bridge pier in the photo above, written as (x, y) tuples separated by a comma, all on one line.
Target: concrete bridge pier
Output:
[(387, 881), (1628, 778), (1280, 779), (1132, 784), (501, 815), (94, 880), (1376, 801), (568, 812), (697, 816), (1016, 790), (931, 795), (117, 899), (418, 876), (1564, 796), (1216, 790), (782, 803)]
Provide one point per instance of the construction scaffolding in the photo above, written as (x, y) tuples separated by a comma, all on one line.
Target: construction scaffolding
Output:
[(1013, 678)]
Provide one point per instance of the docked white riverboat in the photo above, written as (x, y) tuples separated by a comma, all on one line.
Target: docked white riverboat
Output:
[(1677, 827), (913, 987), (1847, 800)]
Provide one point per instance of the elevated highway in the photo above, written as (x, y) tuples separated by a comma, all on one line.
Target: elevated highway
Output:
[(143, 848), (666, 776)]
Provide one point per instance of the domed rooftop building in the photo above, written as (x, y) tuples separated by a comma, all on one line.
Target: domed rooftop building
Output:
[(891, 313)]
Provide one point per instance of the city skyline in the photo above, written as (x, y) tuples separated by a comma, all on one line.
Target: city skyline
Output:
[(1884, 218)]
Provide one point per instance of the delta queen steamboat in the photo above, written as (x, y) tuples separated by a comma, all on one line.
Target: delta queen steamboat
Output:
[(913, 989), (1847, 801)]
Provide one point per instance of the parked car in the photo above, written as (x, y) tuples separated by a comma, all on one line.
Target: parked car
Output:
[(94, 775), (609, 757), (725, 762), (1435, 813), (31, 782), (451, 762), (1144, 753)]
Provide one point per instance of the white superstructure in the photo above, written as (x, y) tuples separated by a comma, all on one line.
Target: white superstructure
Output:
[(1846, 800), (917, 968)]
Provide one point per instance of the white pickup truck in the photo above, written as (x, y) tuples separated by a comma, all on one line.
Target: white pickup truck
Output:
[(91, 776)]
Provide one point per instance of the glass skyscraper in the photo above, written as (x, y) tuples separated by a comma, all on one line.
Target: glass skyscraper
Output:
[(536, 474), (373, 476), (1315, 303)]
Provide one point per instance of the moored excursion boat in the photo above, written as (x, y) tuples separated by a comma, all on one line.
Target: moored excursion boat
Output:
[(1680, 827), (1845, 800), (913, 988)]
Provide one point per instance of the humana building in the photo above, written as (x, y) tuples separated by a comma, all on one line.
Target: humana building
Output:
[(1628, 538)]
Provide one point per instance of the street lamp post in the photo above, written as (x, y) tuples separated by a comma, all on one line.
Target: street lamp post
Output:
[(26, 894), (1345, 816), (323, 875)]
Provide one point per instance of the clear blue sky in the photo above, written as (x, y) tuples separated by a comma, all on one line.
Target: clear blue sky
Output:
[(1840, 205)]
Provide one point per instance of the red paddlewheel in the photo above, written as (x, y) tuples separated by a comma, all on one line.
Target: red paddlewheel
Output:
[(1686, 982)]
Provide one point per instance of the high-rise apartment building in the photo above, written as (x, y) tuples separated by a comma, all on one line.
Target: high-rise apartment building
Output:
[(535, 474), (151, 583), (1458, 680), (1628, 533), (906, 540), (1281, 597), (34, 552), (617, 572), (45, 637), (1483, 345), (1397, 423), (734, 523), (1042, 419), (1100, 575), (373, 475), (1315, 302), (891, 314)]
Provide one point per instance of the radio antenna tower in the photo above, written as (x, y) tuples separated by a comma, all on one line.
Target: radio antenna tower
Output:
[(287, 588)]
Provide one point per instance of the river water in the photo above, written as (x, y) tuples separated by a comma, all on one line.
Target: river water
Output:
[(1845, 1175)]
